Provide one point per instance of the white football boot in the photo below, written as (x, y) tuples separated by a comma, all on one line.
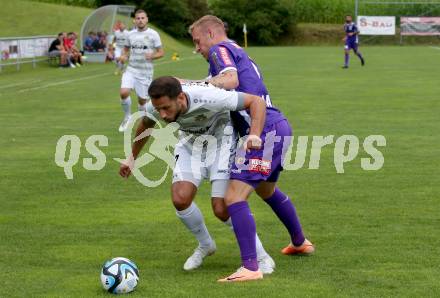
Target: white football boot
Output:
[(266, 264), (124, 124), (196, 259)]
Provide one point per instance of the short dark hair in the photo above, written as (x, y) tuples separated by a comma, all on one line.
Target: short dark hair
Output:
[(165, 86), (140, 11), (60, 34)]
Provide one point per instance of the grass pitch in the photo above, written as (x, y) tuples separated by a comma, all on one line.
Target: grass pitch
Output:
[(376, 232)]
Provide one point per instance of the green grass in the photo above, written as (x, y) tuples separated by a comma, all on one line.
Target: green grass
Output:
[(376, 233), (27, 18)]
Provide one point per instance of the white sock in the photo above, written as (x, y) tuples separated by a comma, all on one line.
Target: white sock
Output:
[(261, 252), (126, 106), (142, 107), (192, 218)]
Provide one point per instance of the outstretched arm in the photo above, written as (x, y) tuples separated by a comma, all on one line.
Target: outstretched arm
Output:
[(143, 127)]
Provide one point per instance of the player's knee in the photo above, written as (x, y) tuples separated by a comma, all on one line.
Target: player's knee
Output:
[(237, 191), (124, 93), (142, 101), (230, 195), (181, 199), (264, 193), (220, 210), (265, 189)]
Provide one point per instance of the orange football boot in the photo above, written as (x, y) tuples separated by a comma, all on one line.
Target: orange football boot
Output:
[(306, 248), (243, 274)]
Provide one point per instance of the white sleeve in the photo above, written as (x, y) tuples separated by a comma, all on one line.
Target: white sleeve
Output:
[(217, 99), (157, 43)]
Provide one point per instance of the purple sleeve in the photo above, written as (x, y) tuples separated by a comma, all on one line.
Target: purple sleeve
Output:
[(220, 59)]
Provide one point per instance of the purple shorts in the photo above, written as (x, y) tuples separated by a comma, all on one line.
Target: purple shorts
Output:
[(264, 164), (351, 44)]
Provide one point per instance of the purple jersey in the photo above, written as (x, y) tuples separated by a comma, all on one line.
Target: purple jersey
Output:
[(228, 55), (351, 28)]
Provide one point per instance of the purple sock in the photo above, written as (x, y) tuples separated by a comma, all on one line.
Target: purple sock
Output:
[(284, 209), (244, 229), (347, 59)]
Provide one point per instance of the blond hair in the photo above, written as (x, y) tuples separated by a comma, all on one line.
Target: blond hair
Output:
[(208, 20)]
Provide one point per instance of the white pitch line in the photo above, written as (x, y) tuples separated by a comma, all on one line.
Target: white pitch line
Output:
[(89, 77), (18, 84), (436, 48), (63, 82)]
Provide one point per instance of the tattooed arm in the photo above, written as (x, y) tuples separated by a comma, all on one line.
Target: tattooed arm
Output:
[(226, 80)]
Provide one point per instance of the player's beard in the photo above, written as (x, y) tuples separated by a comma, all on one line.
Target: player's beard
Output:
[(175, 118), (142, 28), (179, 111)]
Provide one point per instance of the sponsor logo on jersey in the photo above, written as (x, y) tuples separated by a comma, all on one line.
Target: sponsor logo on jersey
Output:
[(225, 56), (259, 166), (240, 160), (139, 47), (196, 100)]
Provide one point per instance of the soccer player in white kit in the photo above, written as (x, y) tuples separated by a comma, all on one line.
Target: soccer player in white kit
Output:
[(202, 112), (119, 40), (143, 45)]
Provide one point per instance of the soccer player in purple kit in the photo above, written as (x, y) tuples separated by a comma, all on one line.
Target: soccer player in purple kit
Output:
[(351, 41), (231, 68)]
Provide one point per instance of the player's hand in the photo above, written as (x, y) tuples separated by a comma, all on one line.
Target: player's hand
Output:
[(123, 58), (253, 142), (125, 168)]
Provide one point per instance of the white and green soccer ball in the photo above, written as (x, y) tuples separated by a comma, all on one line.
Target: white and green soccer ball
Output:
[(119, 276)]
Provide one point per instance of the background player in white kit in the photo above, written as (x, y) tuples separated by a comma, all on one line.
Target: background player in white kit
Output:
[(119, 41), (202, 111), (143, 45)]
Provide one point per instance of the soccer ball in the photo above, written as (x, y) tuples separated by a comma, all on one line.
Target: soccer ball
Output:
[(119, 276)]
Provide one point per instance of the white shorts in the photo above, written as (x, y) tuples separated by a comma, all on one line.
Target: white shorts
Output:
[(118, 52), (215, 166), (140, 85)]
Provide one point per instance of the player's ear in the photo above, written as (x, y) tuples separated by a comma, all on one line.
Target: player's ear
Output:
[(181, 97)]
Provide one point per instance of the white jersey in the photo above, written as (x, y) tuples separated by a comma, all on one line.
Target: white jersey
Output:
[(120, 38), (140, 43), (208, 112)]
